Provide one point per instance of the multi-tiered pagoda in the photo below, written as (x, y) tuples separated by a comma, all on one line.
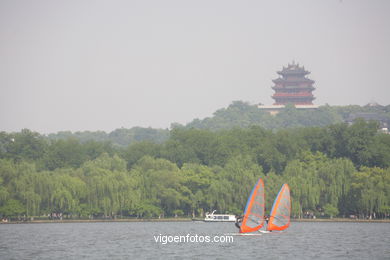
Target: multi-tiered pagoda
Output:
[(293, 87)]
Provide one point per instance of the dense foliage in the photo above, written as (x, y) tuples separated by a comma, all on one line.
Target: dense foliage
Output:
[(119, 137), (241, 114), (238, 114), (333, 170)]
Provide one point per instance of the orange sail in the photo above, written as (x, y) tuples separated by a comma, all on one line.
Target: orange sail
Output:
[(281, 210), (254, 210)]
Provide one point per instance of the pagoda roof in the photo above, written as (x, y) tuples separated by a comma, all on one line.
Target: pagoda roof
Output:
[(292, 95), (282, 80), (293, 87), (293, 69)]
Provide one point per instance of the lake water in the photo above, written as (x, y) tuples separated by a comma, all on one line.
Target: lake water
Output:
[(135, 240)]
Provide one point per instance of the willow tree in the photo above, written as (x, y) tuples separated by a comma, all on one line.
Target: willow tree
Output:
[(159, 183), (108, 185), (4, 194), (305, 185), (335, 176), (197, 179), (370, 192), (24, 185)]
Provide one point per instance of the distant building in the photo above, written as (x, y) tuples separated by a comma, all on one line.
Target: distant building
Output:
[(292, 87), (374, 104), (381, 119)]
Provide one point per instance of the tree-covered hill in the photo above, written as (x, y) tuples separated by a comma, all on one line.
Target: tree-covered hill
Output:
[(238, 114), (241, 114)]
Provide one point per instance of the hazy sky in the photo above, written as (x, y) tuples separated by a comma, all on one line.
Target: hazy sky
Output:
[(101, 65)]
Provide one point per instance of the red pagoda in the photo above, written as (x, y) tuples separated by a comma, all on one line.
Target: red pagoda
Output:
[(293, 87)]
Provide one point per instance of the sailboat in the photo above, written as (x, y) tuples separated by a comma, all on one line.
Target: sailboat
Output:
[(253, 218), (281, 210)]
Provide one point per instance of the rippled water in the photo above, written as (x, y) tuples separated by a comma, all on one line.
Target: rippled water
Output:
[(132, 240)]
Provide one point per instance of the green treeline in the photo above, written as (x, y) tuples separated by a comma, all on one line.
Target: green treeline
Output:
[(242, 114), (238, 114), (336, 170), (119, 137)]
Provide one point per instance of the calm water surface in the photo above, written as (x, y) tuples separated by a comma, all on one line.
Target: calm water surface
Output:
[(134, 240)]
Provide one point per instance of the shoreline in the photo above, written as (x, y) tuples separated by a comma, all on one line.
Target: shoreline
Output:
[(185, 220), (98, 220), (341, 220)]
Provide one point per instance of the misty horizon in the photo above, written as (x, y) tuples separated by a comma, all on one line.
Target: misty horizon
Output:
[(99, 65)]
